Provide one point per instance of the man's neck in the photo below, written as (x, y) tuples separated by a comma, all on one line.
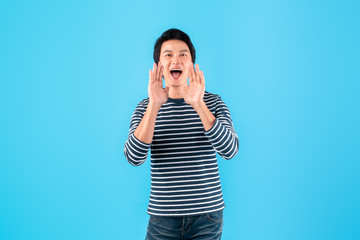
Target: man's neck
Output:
[(176, 93)]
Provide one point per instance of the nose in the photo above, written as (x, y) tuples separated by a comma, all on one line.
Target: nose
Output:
[(176, 61)]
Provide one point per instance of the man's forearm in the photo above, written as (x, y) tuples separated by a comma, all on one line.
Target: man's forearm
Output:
[(145, 130), (207, 118)]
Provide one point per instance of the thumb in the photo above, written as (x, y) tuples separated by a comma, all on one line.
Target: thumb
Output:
[(166, 90)]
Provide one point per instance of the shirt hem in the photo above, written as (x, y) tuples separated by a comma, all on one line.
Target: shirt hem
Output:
[(187, 214)]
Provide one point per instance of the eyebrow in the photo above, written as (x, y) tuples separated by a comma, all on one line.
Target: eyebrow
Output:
[(183, 50)]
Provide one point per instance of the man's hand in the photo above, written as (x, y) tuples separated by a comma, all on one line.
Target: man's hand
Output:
[(157, 94), (196, 89), (195, 97)]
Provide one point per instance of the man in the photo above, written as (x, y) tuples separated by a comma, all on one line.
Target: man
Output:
[(184, 126)]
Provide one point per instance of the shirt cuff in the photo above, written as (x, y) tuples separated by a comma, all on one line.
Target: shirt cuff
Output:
[(139, 143), (214, 129)]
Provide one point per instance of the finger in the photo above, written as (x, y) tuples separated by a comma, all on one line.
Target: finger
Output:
[(157, 67), (202, 78), (197, 73), (154, 72), (192, 72), (150, 76), (159, 72)]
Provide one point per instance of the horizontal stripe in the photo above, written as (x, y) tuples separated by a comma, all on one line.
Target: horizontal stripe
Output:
[(184, 195), (202, 165), (183, 157), (185, 204), (189, 185), (182, 181), (184, 176), (185, 190), (162, 209), (184, 214)]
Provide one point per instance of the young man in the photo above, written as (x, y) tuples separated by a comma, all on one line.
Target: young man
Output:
[(184, 126)]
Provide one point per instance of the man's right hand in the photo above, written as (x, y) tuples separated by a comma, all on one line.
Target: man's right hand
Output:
[(157, 94)]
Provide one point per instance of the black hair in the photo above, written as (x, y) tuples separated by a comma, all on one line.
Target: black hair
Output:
[(170, 34)]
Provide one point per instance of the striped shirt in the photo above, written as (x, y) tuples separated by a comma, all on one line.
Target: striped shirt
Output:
[(184, 170)]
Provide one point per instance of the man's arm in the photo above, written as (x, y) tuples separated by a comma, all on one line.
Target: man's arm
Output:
[(219, 128), (222, 134), (207, 118), (157, 96), (143, 124), (135, 150), (145, 130)]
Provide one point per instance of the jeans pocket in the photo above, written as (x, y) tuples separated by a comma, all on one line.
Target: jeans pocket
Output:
[(215, 216), (153, 218)]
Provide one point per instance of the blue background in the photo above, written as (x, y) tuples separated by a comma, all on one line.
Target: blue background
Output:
[(72, 73)]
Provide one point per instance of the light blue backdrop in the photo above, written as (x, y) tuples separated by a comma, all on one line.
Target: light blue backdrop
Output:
[(72, 73)]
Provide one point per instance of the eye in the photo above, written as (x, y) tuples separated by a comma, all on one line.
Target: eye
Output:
[(183, 55), (168, 55)]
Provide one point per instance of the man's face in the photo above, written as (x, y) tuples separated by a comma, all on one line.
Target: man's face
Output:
[(176, 58)]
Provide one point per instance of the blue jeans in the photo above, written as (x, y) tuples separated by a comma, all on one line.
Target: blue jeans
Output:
[(206, 226)]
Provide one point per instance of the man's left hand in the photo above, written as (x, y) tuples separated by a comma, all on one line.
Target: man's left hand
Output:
[(196, 89)]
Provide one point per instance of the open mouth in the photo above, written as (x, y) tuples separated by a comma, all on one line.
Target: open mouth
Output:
[(176, 73)]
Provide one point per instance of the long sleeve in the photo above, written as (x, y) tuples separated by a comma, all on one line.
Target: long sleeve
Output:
[(135, 150), (222, 134)]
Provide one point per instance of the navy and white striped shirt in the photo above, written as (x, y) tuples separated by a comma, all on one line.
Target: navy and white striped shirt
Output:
[(184, 170)]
